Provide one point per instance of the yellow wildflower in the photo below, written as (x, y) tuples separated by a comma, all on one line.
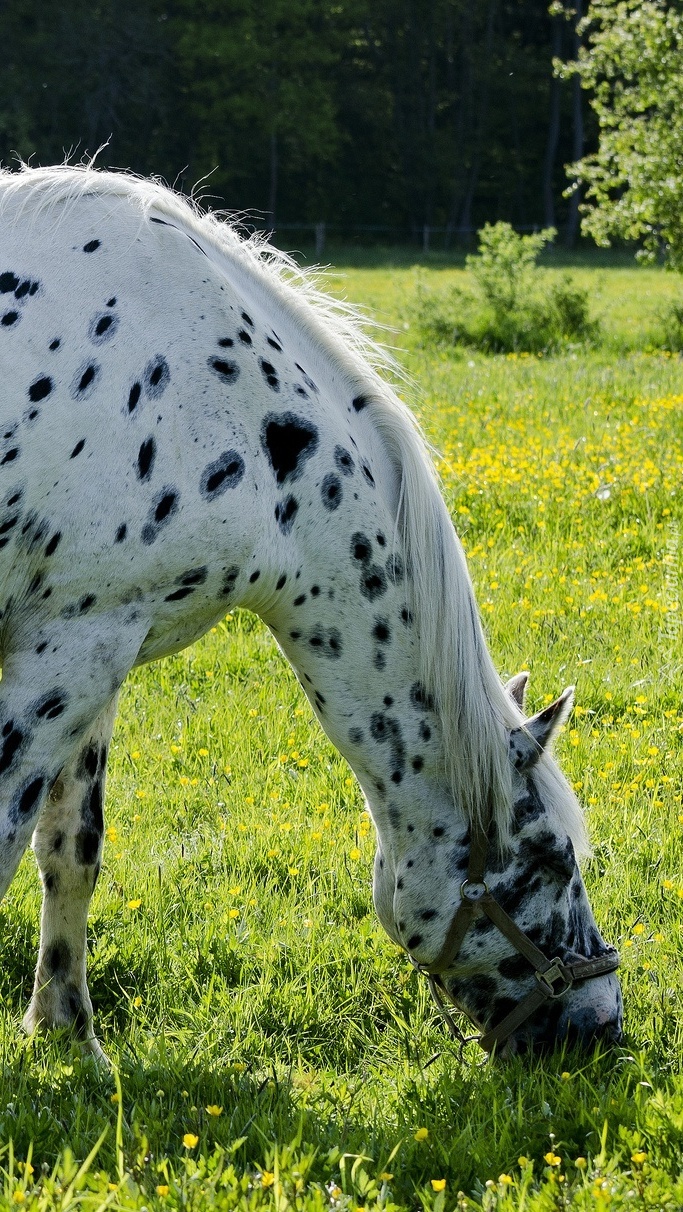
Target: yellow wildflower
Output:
[(162, 1189), (190, 1140), (267, 1178), (438, 1184), (552, 1158), (638, 1157), (134, 904), (214, 1110), (422, 1134)]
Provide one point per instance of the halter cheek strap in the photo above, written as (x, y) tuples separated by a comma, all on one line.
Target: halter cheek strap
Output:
[(554, 977)]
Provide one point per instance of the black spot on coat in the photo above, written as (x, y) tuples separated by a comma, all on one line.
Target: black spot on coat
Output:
[(102, 328), (156, 378), (30, 795), (285, 512), (270, 374), (361, 548), (83, 382), (163, 509), (224, 472), (326, 642), (343, 461), (288, 440), (373, 583), (227, 371), (134, 396), (331, 492), (40, 389), (58, 957), (146, 457), (51, 706)]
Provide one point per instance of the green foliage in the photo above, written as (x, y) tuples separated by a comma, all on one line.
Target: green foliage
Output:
[(672, 326), (505, 264), (368, 112), (515, 306), (631, 62)]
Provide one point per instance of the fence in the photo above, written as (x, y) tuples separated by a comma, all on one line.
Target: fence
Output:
[(424, 235)]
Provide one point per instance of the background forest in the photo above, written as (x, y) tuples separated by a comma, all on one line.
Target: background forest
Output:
[(377, 117)]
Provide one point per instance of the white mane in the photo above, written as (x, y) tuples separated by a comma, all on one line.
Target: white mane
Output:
[(455, 665)]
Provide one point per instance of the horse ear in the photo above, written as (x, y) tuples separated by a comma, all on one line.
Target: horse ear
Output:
[(527, 743), (516, 688)]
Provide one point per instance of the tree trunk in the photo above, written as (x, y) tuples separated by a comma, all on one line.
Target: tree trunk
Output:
[(553, 130), (577, 130), (466, 212), (272, 193)]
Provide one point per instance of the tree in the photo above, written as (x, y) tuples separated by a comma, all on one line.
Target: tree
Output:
[(632, 61)]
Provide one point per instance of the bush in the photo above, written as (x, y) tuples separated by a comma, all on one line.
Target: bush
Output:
[(514, 304), (671, 320)]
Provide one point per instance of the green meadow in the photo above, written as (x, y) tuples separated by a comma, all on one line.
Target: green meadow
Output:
[(270, 1046)]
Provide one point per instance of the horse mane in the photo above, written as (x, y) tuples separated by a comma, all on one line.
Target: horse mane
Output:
[(455, 665)]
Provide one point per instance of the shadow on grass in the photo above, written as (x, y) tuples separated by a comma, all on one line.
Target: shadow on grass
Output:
[(478, 1119), (407, 256)]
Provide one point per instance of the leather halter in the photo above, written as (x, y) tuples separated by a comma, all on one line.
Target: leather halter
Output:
[(554, 977)]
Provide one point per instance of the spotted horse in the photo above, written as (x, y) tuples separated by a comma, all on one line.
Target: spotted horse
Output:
[(190, 425)]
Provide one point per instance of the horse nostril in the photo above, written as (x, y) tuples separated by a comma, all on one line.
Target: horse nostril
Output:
[(589, 1032), (611, 1033)]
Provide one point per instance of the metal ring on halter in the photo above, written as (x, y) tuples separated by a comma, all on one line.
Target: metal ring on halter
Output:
[(473, 892), (556, 979)]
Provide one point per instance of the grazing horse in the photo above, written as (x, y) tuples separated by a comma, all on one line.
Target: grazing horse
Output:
[(188, 425)]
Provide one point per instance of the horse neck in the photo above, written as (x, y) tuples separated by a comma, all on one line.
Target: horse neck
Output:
[(345, 620)]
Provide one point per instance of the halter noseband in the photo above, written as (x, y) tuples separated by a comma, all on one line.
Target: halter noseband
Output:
[(554, 977)]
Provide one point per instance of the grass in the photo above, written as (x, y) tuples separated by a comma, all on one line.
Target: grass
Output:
[(272, 1047)]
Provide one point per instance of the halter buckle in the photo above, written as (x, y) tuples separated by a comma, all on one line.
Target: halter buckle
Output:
[(473, 892), (556, 979)]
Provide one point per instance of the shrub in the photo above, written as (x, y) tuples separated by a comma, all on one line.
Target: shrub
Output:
[(514, 305), (671, 320)]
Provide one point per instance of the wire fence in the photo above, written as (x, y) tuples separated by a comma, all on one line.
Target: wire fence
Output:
[(428, 236)]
